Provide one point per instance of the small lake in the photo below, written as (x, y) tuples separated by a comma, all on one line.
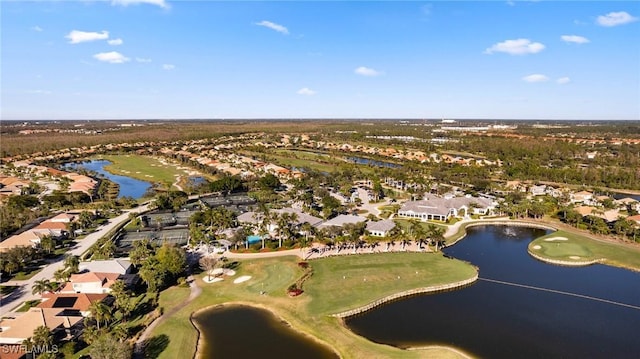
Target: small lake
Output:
[(370, 162), (129, 187), (237, 331), (492, 319)]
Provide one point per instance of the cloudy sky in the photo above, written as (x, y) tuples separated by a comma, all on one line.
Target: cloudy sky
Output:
[(128, 59)]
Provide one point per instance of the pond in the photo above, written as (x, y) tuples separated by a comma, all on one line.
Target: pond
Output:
[(129, 187), (520, 307), (237, 331), (370, 162)]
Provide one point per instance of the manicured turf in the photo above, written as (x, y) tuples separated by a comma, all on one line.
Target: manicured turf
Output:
[(340, 283), (144, 168), (586, 249), (326, 292)]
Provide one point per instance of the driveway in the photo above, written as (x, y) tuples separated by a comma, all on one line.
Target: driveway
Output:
[(13, 301)]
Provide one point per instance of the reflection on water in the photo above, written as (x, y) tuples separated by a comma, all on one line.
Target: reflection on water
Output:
[(495, 320), (237, 331), (129, 187)]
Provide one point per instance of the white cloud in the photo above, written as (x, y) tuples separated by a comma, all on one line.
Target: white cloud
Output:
[(39, 92), (615, 19), (168, 67), (575, 39), (140, 59), (162, 3), (365, 71), (37, 28), (516, 47), (112, 57), (306, 91), (535, 78), (115, 42), (273, 26), (563, 80), (76, 36)]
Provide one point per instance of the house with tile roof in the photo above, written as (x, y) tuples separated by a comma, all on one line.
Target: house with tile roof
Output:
[(90, 283), (14, 330), (76, 303)]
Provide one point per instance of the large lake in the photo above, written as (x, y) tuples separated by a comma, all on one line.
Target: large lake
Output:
[(129, 187), (497, 320)]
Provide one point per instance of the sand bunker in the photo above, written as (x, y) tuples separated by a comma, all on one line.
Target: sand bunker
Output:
[(244, 278), (536, 247), (556, 239), (574, 257), (212, 279)]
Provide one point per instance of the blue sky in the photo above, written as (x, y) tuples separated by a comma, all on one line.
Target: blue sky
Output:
[(163, 59)]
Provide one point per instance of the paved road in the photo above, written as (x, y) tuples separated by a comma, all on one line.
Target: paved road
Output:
[(12, 301)]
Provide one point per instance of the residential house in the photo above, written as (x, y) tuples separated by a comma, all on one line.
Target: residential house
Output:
[(90, 283), (444, 208), (120, 266), (14, 330), (581, 197), (380, 228), (341, 220), (75, 303)]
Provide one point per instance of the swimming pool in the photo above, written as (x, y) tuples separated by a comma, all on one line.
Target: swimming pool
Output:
[(253, 239)]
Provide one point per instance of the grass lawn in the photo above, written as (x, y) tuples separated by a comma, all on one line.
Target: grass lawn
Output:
[(143, 168), (28, 305), (581, 248), (326, 292), (24, 275)]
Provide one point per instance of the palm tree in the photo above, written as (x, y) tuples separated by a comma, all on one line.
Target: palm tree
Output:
[(437, 236), (42, 337), (100, 312), (71, 264), (417, 233), (61, 275), (47, 243), (41, 286)]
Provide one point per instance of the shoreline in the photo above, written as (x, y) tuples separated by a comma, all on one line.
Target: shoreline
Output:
[(406, 293), (501, 222), (200, 340), (432, 289), (564, 263)]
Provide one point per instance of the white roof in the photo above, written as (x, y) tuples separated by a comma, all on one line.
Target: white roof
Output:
[(120, 266), (341, 220)]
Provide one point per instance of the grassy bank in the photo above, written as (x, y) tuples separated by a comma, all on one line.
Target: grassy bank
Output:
[(337, 285), (143, 168), (581, 248)]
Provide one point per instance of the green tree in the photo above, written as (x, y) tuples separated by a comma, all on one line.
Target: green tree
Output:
[(122, 298), (172, 259), (108, 347), (72, 263), (47, 243), (152, 274), (100, 312), (41, 286), (140, 252), (42, 337)]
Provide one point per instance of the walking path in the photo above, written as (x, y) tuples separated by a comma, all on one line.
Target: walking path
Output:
[(138, 349), (13, 301)]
